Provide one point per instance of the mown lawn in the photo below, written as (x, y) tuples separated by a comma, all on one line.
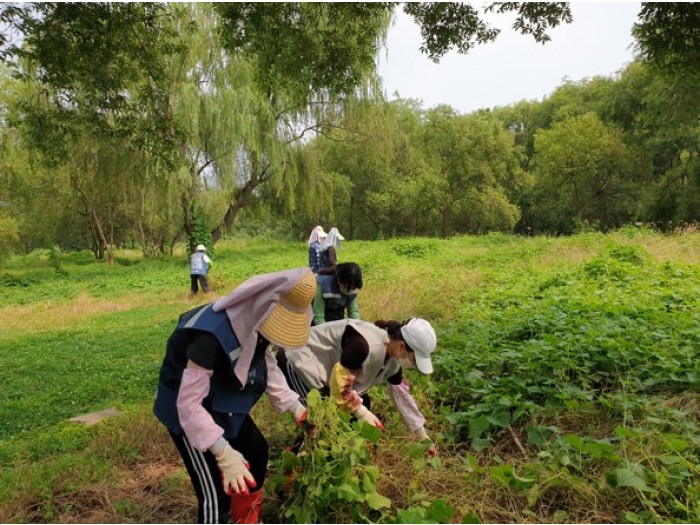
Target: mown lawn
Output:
[(566, 383)]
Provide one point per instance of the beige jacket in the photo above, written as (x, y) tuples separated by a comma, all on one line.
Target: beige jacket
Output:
[(315, 361)]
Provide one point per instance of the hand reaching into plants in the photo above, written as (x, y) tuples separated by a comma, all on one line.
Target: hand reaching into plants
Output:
[(432, 451), (234, 471), (365, 415), (300, 414), (422, 434)]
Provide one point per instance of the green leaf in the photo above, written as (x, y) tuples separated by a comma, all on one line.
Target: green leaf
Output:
[(376, 501), (370, 432), (500, 419), (502, 474), (440, 511), (674, 444), (410, 515), (538, 435), (369, 479), (348, 493), (477, 426), (629, 478), (623, 432)]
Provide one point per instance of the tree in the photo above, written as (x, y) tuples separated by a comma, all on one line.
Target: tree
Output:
[(584, 174), (136, 77), (668, 34), (475, 159), (448, 25)]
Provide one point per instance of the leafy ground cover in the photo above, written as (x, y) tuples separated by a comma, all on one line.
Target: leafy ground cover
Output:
[(566, 385)]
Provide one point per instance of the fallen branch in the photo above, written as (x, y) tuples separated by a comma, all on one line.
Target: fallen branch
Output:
[(517, 441)]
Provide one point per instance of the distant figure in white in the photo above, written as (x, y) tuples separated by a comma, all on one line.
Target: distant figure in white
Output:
[(329, 257), (199, 266)]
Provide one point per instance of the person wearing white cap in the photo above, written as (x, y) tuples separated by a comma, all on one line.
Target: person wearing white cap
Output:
[(345, 358), (217, 364), (315, 239), (199, 267), (329, 257)]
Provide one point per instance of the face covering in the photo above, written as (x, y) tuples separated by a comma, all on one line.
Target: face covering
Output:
[(405, 363), (344, 288)]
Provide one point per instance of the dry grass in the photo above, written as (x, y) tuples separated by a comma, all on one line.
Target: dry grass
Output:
[(150, 486), (677, 248), (561, 254), (433, 299), (60, 315)]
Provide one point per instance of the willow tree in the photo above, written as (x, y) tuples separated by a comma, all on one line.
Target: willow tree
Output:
[(153, 77)]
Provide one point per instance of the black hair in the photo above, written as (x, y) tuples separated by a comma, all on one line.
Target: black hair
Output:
[(349, 274), (393, 328)]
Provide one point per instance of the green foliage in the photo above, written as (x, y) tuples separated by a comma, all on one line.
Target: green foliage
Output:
[(201, 234), (668, 36), (301, 49), (9, 235), (414, 250), (437, 512), (331, 480), (445, 26), (590, 172)]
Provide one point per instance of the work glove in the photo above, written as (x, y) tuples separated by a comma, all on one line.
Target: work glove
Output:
[(300, 414), (365, 415), (422, 434), (234, 471)]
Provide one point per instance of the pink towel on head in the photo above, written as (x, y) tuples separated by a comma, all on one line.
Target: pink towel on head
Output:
[(250, 304), (315, 235)]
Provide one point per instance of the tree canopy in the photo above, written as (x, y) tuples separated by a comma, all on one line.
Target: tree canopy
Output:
[(154, 123)]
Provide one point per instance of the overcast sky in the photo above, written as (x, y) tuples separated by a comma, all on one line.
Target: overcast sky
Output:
[(515, 67)]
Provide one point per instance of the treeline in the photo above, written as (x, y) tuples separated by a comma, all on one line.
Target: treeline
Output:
[(145, 125), (596, 153)]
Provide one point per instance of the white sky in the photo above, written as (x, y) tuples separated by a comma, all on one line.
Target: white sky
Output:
[(514, 67)]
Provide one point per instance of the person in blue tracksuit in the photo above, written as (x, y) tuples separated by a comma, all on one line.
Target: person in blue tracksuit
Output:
[(218, 362)]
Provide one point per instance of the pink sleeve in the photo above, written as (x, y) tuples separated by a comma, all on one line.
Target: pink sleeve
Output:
[(406, 405), (197, 423), (278, 392)]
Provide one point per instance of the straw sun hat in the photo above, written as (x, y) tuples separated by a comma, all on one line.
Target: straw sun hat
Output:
[(288, 324)]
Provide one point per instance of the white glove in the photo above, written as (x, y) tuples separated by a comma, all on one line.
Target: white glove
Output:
[(365, 415), (234, 471), (422, 434), (300, 414)]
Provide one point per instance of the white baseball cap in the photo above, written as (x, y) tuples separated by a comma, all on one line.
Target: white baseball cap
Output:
[(420, 336), (201, 248)]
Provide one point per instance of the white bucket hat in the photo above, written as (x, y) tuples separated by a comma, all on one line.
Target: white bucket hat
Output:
[(201, 248), (420, 336)]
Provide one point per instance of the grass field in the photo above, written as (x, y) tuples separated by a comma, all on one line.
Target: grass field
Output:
[(566, 383)]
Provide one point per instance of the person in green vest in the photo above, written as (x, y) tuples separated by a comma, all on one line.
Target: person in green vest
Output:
[(336, 294)]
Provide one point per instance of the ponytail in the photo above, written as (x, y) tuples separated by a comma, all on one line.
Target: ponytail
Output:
[(393, 328)]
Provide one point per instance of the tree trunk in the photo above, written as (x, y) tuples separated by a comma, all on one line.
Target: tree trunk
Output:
[(102, 244), (445, 222), (142, 235), (240, 200)]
